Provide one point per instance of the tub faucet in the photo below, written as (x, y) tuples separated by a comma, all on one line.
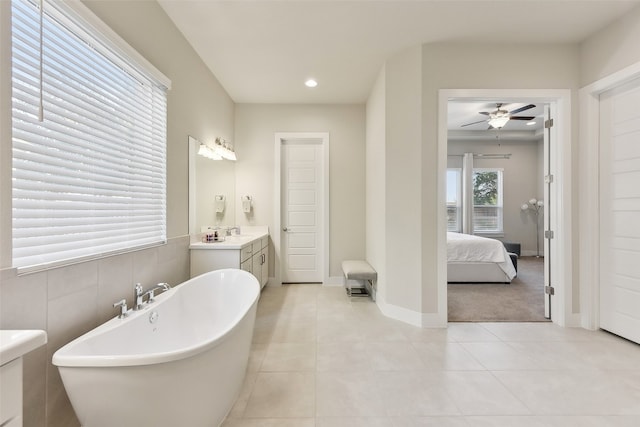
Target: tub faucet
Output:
[(150, 293), (123, 308), (138, 295)]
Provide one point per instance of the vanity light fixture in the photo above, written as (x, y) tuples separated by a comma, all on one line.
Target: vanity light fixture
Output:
[(311, 83), (225, 149), (206, 151)]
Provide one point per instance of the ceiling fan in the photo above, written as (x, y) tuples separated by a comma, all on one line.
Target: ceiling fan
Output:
[(499, 117)]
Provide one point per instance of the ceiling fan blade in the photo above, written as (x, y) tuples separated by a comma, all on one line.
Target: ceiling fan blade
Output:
[(526, 107), (486, 113), (474, 123), (527, 118)]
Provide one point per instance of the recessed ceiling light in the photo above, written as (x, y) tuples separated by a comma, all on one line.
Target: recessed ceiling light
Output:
[(311, 83), (531, 123)]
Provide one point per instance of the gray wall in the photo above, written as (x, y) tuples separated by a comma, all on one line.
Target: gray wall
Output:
[(66, 302), (522, 180)]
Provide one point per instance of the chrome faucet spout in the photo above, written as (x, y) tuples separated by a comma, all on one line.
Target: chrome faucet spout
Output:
[(138, 294)]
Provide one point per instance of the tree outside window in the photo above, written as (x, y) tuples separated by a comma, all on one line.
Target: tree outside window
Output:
[(487, 200)]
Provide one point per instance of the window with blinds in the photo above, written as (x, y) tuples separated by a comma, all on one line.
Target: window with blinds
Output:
[(487, 201), (89, 169)]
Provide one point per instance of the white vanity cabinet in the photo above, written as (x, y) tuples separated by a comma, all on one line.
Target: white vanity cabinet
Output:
[(247, 252), (14, 344), (260, 260)]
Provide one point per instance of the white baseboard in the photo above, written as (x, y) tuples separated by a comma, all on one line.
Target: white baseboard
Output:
[(420, 320)]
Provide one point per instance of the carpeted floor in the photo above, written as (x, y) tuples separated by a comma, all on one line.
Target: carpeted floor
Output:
[(520, 301)]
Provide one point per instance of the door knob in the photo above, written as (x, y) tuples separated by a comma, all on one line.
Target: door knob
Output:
[(285, 229)]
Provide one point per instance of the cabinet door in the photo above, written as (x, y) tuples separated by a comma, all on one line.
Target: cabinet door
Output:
[(265, 266), (257, 265), (247, 265)]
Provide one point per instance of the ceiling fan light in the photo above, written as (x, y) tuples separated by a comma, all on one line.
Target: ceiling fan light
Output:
[(498, 122)]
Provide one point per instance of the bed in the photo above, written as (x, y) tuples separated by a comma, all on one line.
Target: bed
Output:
[(475, 259)]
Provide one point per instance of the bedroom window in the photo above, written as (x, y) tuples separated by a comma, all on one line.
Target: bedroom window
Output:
[(454, 198), (89, 139), (487, 201)]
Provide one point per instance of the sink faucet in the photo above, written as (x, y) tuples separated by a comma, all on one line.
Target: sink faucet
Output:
[(229, 229)]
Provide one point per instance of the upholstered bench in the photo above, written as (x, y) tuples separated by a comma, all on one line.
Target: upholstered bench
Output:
[(360, 270)]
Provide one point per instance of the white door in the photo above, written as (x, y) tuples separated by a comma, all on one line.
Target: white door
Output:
[(549, 208), (620, 211), (302, 221)]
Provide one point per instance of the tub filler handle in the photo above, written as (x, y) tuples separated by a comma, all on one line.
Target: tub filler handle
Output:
[(123, 308), (151, 292)]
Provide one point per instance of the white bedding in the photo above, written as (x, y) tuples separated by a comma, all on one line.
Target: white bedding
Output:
[(468, 248)]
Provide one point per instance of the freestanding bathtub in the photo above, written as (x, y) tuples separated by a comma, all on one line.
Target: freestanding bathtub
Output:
[(180, 361)]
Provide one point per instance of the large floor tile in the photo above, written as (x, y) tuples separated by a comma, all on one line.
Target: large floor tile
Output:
[(289, 357), (470, 332), (575, 392), (399, 356), (446, 356), (342, 357), (354, 422), (480, 393), (344, 394), (282, 395), (500, 356), (415, 394)]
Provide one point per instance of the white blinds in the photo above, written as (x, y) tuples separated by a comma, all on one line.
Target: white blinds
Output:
[(91, 178)]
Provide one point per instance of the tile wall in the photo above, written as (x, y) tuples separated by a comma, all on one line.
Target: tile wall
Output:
[(69, 301)]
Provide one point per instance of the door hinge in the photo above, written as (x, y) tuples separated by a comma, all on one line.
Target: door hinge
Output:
[(549, 290), (548, 179), (548, 123), (548, 234)]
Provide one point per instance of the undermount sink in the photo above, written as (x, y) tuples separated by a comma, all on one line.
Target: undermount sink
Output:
[(17, 343)]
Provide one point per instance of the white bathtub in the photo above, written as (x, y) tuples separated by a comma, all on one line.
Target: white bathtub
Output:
[(184, 369)]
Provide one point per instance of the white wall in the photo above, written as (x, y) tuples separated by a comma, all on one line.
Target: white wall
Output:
[(611, 49), (255, 129), (376, 195), (460, 66), (522, 180), (68, 301)]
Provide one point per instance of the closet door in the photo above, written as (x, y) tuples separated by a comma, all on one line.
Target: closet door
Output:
[(620, 211)]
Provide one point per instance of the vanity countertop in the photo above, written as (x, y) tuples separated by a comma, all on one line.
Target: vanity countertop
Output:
[(247, 236), (17, 343)]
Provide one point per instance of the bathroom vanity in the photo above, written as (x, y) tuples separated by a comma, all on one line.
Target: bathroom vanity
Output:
[(14, 344), (248, 251)]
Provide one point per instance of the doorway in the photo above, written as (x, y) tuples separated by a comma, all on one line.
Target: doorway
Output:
[(559, 278), (302, 208)]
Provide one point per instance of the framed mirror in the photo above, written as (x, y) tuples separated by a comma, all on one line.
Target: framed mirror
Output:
[(209, 180)]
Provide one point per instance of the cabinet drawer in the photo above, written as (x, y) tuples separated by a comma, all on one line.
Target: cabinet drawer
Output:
[(245, 253), (264, 242)]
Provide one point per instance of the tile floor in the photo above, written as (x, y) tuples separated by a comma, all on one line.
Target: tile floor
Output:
[(321, 360)]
